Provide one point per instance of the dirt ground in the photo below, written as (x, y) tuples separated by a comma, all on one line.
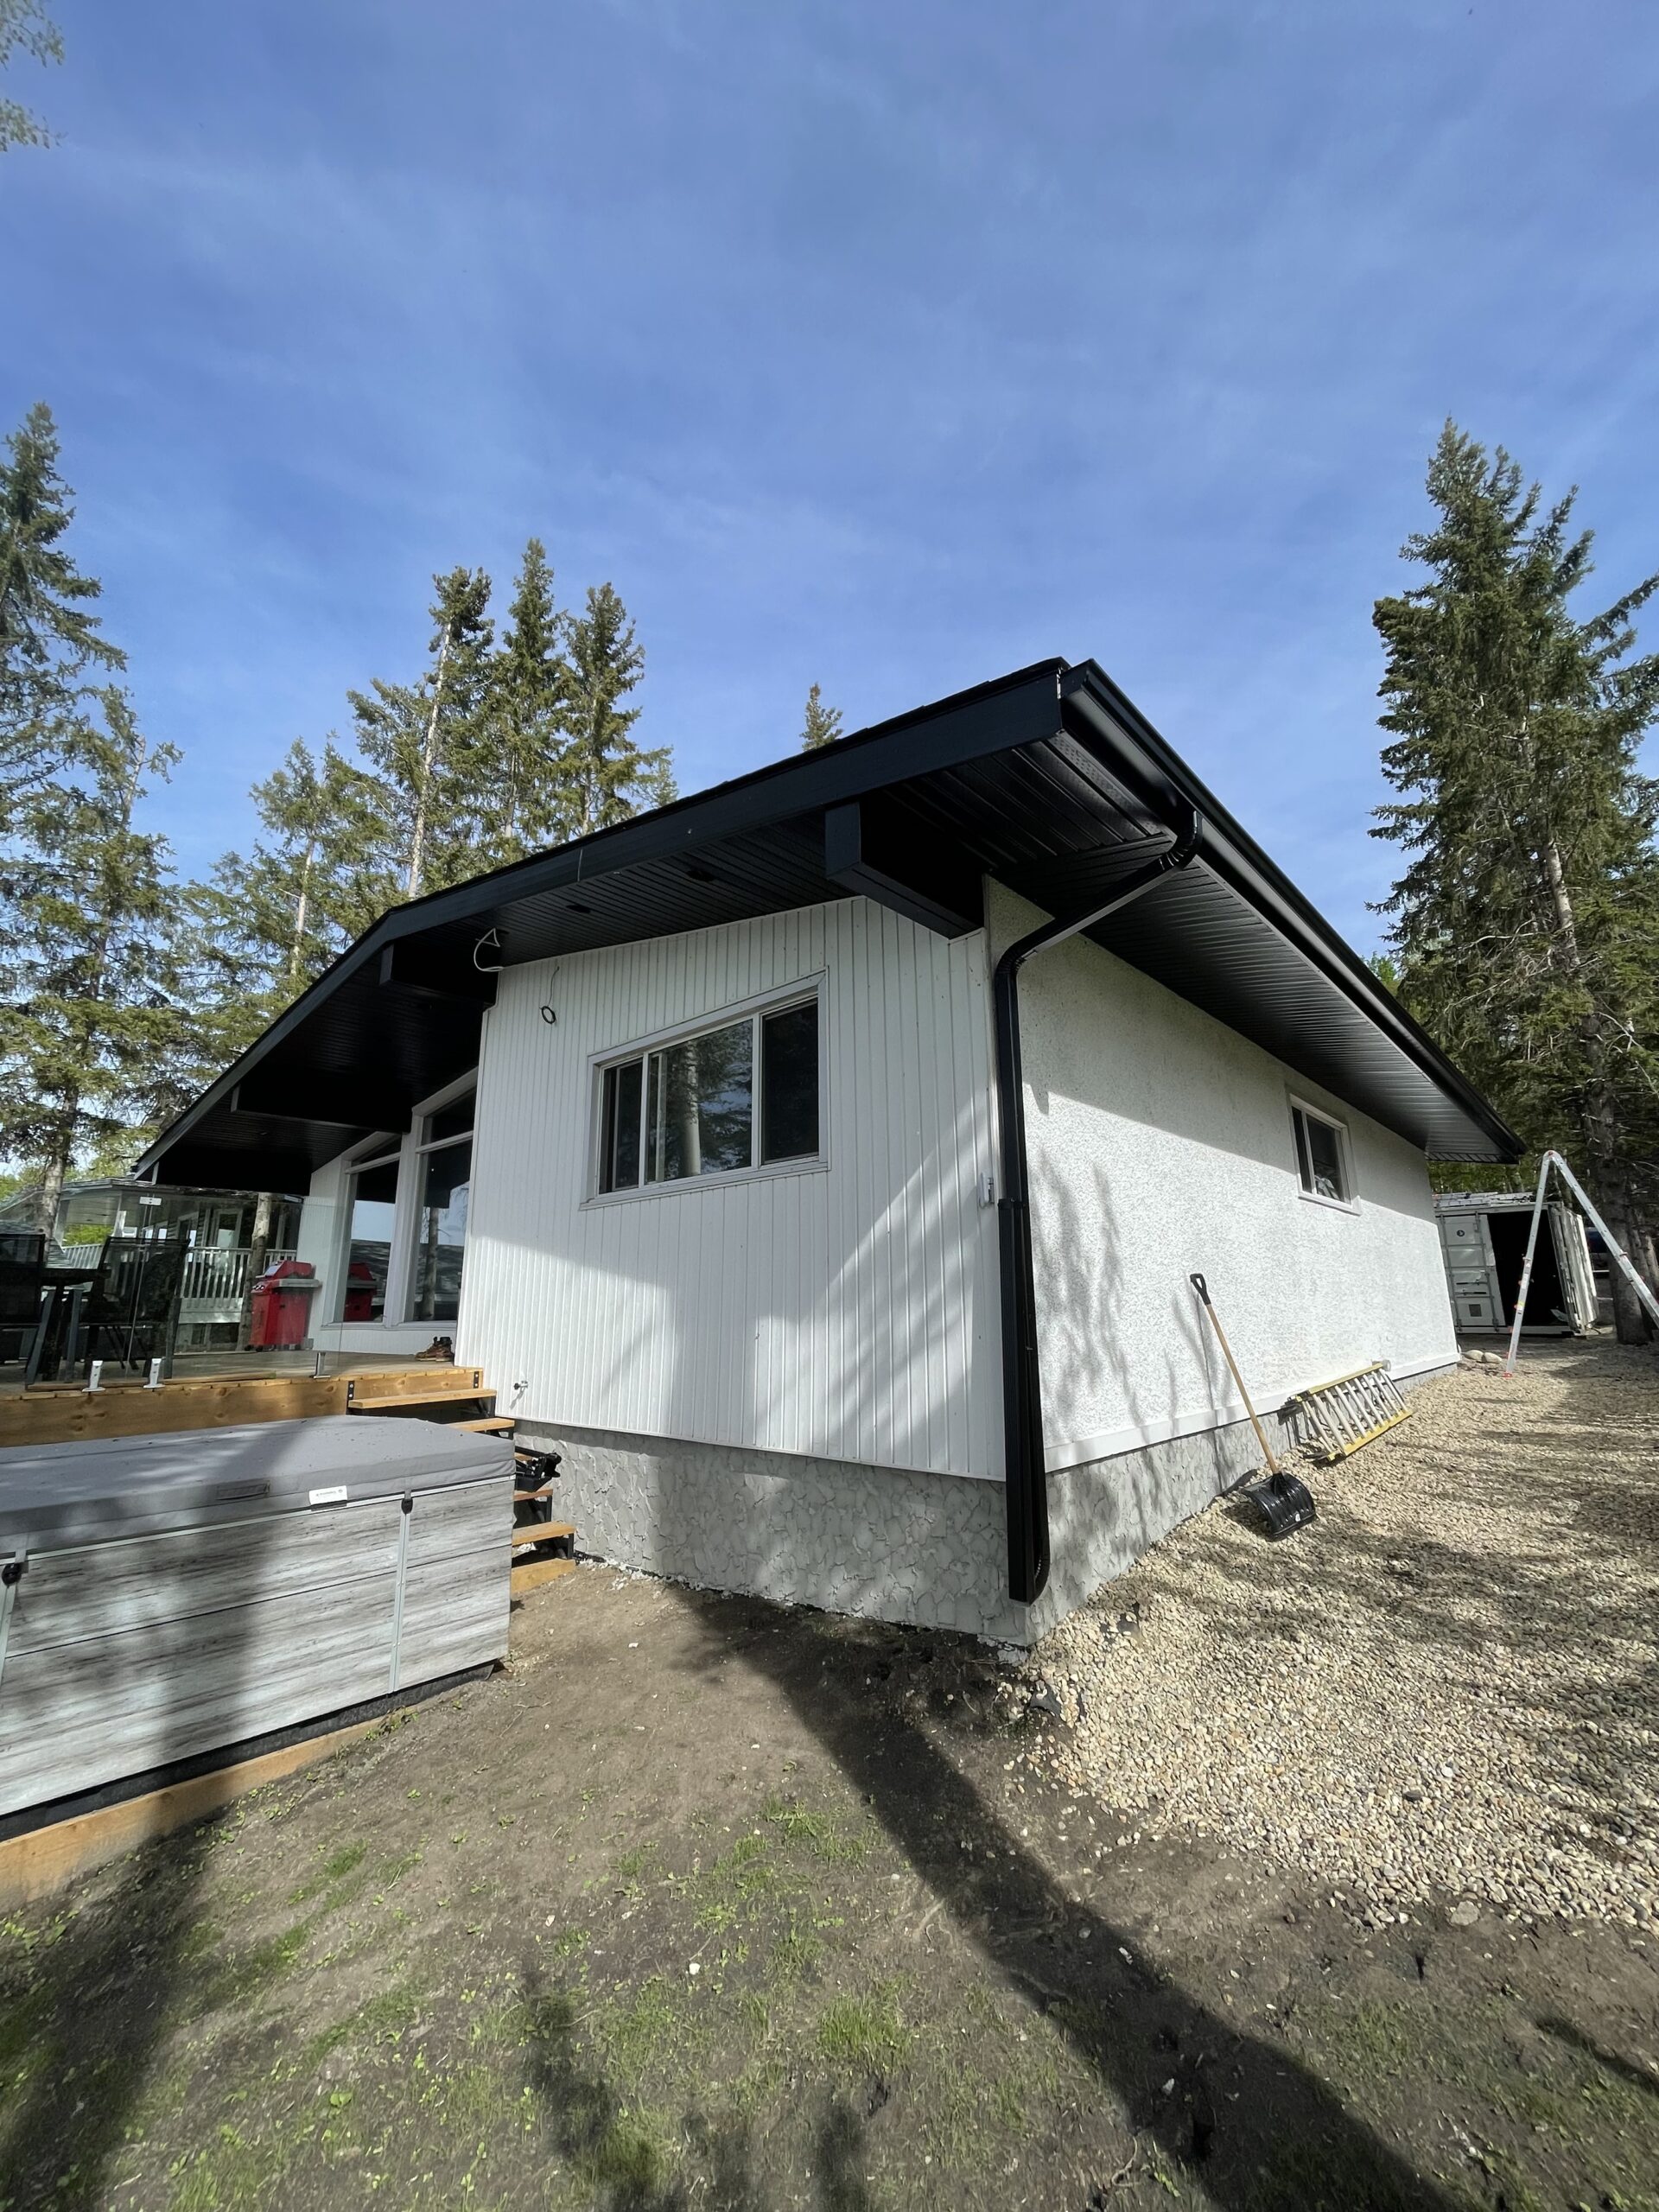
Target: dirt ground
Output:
[(707, 1903)]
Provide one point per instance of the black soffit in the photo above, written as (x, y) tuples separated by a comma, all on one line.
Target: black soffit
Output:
[(1048, 780)]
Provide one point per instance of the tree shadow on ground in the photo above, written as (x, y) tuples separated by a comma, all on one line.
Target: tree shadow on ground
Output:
[(1251, 2127), (90, 2023), (599, 2139)]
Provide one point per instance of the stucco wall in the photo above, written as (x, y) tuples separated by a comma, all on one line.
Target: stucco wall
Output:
[(1161, 1142)]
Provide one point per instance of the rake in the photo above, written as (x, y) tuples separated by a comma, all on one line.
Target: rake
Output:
[(1338, 1417)]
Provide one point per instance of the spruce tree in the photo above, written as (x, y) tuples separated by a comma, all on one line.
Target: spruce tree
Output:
[(823, 724), (519, 764), (1526, 925), (90, 1021), (606, 776), (422, 741), (50, 639), (271, 920)]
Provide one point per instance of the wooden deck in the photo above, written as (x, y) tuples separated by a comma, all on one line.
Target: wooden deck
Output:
[(235, 1388)]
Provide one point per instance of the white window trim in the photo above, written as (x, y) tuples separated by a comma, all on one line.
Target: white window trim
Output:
[(1350, 1204), (411, 1173), (763, 1002), (406, 1149)]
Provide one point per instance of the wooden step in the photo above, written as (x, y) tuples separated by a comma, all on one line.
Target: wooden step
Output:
[(530, 1574), (491, 1425), (412, 1402), (523, 1496), (542, 1532), (386, 1386)]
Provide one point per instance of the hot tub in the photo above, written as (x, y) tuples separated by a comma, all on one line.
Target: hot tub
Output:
[(161, 1597)]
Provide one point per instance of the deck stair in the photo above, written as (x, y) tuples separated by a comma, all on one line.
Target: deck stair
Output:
[(544, 1549)]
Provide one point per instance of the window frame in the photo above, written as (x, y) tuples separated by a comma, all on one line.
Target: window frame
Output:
[(1350, 1201), (809, 990), (383, 1150), (419, 1149), (406, 1149)]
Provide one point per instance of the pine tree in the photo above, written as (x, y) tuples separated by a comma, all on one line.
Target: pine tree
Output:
[(823, 724), (608, 777), (1526, 925), (25, 24), (423, 742), (271, 921), (90, 1021), (48, 637), (521, 769)]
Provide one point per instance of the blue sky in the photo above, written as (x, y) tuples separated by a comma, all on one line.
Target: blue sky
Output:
[(889, 347)]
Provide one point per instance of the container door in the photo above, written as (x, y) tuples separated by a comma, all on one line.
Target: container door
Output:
[(1468, 1248), (1573, 1257)]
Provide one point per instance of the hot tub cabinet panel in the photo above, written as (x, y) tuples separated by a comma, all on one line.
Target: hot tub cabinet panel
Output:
[(180, 1593)]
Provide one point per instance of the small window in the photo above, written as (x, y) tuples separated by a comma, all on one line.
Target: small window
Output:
[(1321, 1156), (742, 1095)]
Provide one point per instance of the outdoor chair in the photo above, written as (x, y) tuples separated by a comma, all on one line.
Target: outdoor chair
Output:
[(22, 1282), (130, 1311)]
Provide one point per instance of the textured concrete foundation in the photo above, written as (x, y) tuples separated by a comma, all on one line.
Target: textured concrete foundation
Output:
[(890, 1545), (929, 1550)]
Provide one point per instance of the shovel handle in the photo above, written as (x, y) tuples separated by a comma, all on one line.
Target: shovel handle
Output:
[(1203, 1289)]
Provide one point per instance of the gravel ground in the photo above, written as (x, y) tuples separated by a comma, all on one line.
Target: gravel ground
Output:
[(1441, 1696)]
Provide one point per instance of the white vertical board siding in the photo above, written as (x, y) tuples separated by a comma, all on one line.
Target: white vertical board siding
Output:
[(845, 1311), (1160, 1142)]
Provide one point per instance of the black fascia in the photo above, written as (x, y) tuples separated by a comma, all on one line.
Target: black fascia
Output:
[(991, 718), (1097, 715)]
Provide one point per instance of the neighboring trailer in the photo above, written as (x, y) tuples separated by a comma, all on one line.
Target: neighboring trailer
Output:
[(1483, 1237), (167, 1596)]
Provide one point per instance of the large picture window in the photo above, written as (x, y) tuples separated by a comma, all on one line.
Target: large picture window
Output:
[(372, 1214), (737, 1095), (444, 1169)]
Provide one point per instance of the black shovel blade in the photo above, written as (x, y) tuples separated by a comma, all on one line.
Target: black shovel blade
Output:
[(1285, 1503)]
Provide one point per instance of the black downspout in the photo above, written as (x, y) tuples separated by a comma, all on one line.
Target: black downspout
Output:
[(1026, 1473)]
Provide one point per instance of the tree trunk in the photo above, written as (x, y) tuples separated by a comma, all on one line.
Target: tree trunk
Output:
[(1632, 1323), (298, 945), (429, 762), (258, 1245), (1604, 1170), (49, 1193)]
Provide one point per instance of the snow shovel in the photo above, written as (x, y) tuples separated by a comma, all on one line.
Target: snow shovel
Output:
[(1284, 1501)]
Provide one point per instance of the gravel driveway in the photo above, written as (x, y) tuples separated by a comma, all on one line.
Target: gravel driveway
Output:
[(1442, 1694)]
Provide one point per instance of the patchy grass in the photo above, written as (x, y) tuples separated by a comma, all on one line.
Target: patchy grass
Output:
[(863, 2033), (430, 1976)]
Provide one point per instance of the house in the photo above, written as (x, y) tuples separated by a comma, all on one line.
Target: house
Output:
[(221, 1229), (819, 1163)]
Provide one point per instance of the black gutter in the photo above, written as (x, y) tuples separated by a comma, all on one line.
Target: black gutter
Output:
[(1026, 1472), (1147, 764)]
